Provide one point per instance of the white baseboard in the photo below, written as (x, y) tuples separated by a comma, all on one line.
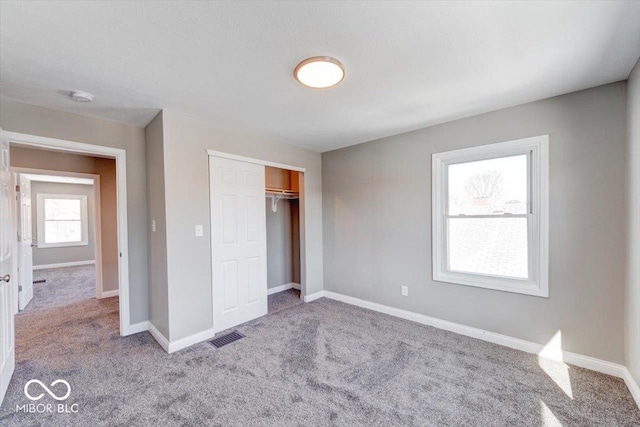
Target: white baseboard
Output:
[(164, 343), (137, 328), (109, 294), (582, 361), (63, 264), (190, 340), (313, 297), (633, 386), (587, 362), (283, 288), (172, 347)]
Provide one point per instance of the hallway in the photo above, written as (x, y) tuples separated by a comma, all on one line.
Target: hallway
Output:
[(61, 287)]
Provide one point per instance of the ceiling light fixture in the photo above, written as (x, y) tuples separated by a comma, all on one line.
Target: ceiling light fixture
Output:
[(319, 72), (80, 96)]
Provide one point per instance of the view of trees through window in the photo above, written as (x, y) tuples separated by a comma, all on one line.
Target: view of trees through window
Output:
[(486, 226), (489, 187)]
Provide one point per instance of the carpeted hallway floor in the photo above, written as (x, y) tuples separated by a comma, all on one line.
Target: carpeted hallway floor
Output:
[(63, 286), (322, 363)]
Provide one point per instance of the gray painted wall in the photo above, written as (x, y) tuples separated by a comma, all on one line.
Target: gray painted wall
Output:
[(29, 119), (377, 223), (45, 256), (186, 170), (283, 253), (158, 286), (632, 309)]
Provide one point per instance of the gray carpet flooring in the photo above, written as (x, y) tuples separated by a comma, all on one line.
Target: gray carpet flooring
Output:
[(284, 300), (318, 364), (63, 286)]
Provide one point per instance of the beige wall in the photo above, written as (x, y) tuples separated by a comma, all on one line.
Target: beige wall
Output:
[(23, 118), (47, 256), (186, 171), (377, 223), (632, 309), (66, 162), (108, 222)]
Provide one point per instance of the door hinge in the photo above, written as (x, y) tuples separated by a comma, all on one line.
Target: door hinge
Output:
[(19, 288), (17, 188)]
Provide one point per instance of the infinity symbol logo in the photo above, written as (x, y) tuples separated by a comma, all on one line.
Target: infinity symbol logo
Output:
[(52, 394)]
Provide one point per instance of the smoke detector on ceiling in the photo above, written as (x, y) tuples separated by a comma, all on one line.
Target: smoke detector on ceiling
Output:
[(81, 96)]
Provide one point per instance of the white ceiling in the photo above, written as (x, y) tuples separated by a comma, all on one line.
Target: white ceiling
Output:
[(409, 65)]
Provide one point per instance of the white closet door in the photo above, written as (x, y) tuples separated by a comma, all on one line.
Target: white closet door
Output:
[(238, 236)]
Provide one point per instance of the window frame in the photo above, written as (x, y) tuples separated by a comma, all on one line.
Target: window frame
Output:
[(537, 151), (84, 222)]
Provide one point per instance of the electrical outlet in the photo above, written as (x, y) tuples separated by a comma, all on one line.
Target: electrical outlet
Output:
[(405, 291), (199, 230), (153, 225)]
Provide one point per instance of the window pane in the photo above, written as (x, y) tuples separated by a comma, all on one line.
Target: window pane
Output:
[(62, 231), (62, 209), (493, 246), (488, 187)]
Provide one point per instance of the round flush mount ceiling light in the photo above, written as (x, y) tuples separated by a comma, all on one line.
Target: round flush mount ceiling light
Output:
[(80, 96), (319, 72)]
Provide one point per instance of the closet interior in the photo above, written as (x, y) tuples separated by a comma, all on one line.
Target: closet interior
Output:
[(283, 229)]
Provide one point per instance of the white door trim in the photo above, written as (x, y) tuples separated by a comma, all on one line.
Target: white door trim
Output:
[(120, 156), (303, 195), (256, 161), (97, 238)]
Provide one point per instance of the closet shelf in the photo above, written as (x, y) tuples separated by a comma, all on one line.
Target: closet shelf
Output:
[(278, 194), (284, 194)]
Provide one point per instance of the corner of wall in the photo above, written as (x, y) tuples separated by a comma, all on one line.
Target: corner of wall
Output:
[(158, 294), (632, 295)]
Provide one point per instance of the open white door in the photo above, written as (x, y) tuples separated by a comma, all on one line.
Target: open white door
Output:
[(7, 335), (238, 236), (25, 243)]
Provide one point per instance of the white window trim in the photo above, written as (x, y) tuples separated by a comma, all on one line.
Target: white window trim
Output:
[(83, 220), (537, 149)]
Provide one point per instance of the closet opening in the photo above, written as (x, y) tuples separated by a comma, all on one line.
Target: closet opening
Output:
[(258, 235), (282, 198)]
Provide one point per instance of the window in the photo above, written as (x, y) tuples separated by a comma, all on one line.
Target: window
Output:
[(490, 216), (62, 220)]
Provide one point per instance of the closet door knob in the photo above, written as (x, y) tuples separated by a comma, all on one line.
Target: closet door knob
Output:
[(6, 278)]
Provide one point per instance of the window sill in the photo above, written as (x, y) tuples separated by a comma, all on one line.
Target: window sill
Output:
[(61, 245), (526, 287)]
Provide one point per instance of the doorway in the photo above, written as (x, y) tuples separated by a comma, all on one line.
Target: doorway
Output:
[(283, 237), (120, 263), (59, 232), (239, 235)]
